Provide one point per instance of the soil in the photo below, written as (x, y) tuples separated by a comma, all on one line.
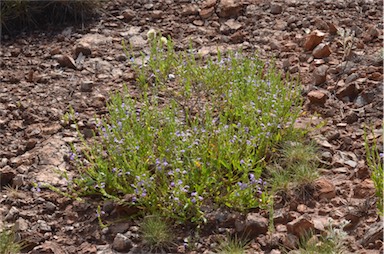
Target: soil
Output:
[(342, 92)]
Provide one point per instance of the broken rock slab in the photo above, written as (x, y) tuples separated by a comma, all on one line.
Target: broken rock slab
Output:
[(313, 39)]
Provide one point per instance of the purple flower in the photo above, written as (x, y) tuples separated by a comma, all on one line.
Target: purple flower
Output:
[(72, 156), (193, 194)]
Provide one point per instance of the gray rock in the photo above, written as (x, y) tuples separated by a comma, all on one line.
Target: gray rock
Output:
[(21, 225), (12, 214), (276, 8), (137, 42), (122, 243), (50, 207), (374, 233), (18, 180), (43, 226), (86, 86), (320, 74)]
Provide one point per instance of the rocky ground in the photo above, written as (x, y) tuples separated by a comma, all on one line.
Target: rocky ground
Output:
[(342, 79)]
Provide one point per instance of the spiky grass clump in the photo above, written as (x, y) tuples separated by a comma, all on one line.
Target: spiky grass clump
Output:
[(156, 232), (232, 245), (297, 166)]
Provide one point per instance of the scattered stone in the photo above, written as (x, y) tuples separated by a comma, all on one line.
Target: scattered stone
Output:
[(320, 74), (332, 28), (86, 86), (317, 97), (50, 207), (255, 224), (190, 9), (290, 241), (276, 8), (320, 223), (364, 189), (351, 78), (128, 14), (233, 24), (12, 214), (300, 226), (65, 61), (48, 247), (122, 243), (157, 14), (371, 34), (374, 233), (324, 189), (21, 225), (351, 118), (229, 8), (43, 226), (83, 48), (137, 42), (206, 13), (6, 176), (313, 39), (349, 92), (322, 50), (18, 180)]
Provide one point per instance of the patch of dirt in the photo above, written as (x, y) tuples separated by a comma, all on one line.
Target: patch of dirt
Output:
[(42, 76)]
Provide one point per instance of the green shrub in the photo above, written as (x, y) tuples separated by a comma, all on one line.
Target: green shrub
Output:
[(196, 136)]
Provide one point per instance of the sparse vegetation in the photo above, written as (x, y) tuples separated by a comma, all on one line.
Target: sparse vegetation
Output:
[(8, 242), (374, 160)]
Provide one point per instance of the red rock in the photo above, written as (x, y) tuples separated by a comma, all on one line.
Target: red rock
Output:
[(320, 74), (255, 224), (364, 189), (377, 76), (65, 61), (83, 48), (157, 14), (229, 8), (317, 97), (371, 34), (129, 14), (206, 13), (349, 91), (332, 28), (324, 189), (300, 226), (208, 4), (322, 50), (313, 39), (189, 10)]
